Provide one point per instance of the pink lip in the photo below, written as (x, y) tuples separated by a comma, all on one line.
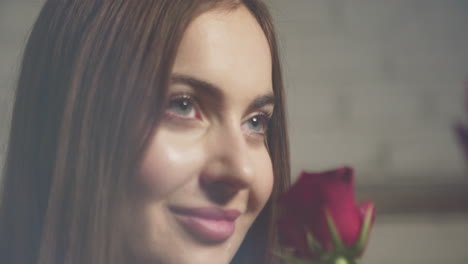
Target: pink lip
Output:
[(209, 223)]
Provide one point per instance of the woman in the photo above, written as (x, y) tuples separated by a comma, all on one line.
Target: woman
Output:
[(146, 132)]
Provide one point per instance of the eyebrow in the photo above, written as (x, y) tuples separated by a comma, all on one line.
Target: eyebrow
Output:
[(216, 92)]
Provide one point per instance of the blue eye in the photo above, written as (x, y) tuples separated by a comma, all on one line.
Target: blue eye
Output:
[(183, 107), (258, 124)]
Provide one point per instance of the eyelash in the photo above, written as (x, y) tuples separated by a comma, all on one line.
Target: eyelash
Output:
[(265, 116), (184, 97), (265, 119)]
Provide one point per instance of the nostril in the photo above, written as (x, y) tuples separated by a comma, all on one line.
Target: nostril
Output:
[(221, 192)]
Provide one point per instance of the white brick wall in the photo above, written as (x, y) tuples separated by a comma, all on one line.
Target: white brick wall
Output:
[(16, 19), (375, 84), (414, 239), (371, 83)]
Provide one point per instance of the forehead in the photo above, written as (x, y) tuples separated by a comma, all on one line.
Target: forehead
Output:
[(228, 49)]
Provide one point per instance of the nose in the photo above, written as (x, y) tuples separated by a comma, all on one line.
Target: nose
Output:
[(228, 167)]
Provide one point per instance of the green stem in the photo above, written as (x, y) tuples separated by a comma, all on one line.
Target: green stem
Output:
[(362, 241), (337, 243)]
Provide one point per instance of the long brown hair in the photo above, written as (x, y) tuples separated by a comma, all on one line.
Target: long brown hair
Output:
[(90, 93)]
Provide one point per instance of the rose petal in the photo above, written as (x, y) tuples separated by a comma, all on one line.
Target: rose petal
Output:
[(293, 235), (364, 207), (310, 198)]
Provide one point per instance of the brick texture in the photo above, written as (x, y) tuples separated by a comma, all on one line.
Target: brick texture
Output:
[(375, 84), (371, 83)]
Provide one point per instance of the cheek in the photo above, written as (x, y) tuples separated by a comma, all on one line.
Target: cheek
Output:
[(167, 164)]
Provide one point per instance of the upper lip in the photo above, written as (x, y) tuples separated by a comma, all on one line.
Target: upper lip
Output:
[(211, 213)]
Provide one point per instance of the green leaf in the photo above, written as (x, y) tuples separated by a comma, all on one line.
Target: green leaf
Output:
[(338, 244), (363, 237), (313, 244), (341, 260), (344, 260)]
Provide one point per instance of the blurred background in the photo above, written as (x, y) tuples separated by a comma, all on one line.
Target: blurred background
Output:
[(375, 84)]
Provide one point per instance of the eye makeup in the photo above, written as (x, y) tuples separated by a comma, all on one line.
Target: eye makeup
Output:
[(258, 122), (183, 106)]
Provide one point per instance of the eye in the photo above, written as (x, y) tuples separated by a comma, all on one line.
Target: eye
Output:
[(183, 106), (258, 123)]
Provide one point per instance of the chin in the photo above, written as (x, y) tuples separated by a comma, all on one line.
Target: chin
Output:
[(187, 251), (199, 256), (221, 253), (220, 258)]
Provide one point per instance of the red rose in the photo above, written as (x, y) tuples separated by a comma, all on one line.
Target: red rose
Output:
[(306, 205)]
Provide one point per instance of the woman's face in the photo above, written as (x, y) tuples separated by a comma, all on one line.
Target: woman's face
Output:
[(207, 173)]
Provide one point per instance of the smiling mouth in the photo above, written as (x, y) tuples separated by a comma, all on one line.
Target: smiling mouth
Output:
[(211, 224)]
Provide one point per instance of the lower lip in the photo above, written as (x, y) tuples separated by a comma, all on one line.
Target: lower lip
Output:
[(208, 229)]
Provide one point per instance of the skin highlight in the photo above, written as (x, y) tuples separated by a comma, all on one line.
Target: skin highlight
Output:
[(209, 150), (97, 85)]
